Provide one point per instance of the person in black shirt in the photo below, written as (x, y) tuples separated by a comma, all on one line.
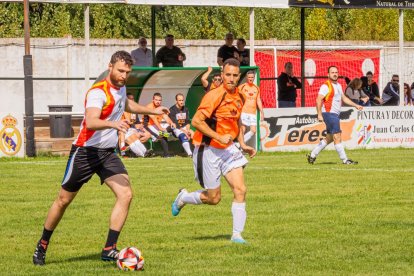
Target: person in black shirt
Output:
[(243, 52), (370, 87), (180, 116), (169, 55), (287, 84), (227, 50)]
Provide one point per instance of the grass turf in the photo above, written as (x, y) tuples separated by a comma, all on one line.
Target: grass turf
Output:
[(320, 219)]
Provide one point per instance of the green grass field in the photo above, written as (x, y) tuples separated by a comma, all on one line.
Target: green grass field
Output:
[(325, 219)]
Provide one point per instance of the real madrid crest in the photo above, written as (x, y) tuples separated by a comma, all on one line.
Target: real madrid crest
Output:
[(10, 138)]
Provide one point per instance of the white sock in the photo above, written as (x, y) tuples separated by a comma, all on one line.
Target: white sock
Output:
[(138, 148), (248, 136), (239, 216), (322, 144), (192, 198), (186, 146), (341, 151)]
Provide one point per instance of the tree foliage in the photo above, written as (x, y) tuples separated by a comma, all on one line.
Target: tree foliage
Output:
[(133, 21)]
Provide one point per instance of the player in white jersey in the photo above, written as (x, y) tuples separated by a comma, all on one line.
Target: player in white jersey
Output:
[(331, 96), (93, 152)]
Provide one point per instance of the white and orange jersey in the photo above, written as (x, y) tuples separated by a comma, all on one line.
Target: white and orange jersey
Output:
[(332, 100), (111, 100), (250, 92)]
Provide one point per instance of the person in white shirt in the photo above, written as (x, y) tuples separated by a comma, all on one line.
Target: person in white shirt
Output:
[(142, 55)]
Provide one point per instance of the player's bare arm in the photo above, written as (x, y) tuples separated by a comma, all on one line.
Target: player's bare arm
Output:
[(93, 121), (169, 121), (204, 77), (260, 106), (134, 107), (319, 100), (347, 101), (199, 122)]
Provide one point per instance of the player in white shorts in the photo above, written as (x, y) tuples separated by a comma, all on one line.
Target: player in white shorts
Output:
[(217, 125)]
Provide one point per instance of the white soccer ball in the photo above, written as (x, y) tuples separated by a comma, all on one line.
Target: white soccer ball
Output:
[(130, 258)]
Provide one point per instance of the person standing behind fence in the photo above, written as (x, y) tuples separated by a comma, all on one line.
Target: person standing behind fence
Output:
[(251, 93), (169, 55), (244, 54), (93, 152), (287, 84), (328, 107), (227, 50), (181, 118), (215, 82), (391, 92), (142, 55)]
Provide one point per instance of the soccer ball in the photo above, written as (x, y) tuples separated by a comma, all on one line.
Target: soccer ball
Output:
[(130, 258)]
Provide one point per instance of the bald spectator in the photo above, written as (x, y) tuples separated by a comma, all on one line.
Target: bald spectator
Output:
[(227, 50), (142, 56), (170, 55)]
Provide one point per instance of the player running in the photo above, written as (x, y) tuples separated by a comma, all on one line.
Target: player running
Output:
[(216, 123), (93, 151), (331, 96)]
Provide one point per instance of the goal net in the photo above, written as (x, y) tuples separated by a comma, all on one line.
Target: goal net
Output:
[(351, 63)]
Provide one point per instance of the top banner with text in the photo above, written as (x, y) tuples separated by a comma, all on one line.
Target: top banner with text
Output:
[(353, 4)]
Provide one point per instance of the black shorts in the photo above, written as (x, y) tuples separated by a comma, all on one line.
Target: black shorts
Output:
[(84, 162)]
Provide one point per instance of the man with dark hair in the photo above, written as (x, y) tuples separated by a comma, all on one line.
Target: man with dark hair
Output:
[(287, 84), (244, 53), (93, 151), (227, 50), (217, 125), (328, 107), (158, 125), (180, 116), (370, 88), (391, 92), (169, 55), (215, 82)]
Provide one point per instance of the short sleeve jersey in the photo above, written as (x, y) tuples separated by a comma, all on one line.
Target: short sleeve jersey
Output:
[(250, 93), (111, 100), (332, 100), (223, 109)]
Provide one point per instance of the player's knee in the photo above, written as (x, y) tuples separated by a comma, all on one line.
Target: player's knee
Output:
[(214, 200), (240, 191), (63, 201), (126, 196)]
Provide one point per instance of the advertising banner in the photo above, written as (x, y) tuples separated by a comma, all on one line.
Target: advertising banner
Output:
[(11, 135), (398, 4), (295, 129)]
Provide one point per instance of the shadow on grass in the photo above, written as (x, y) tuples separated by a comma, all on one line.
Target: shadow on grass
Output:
[(327, 163), (89, 257), (218, 237)]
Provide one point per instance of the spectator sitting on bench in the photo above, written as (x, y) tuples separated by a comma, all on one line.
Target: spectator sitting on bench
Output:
[(180, 116), (135, 137), (156, 127)]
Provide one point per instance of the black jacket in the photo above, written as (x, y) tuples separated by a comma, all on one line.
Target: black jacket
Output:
[(287, 92)]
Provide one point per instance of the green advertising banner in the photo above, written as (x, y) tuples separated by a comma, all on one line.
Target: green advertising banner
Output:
[(353, 4)]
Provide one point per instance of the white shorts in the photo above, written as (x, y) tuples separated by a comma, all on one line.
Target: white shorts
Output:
[(210, 163), (248, 119)]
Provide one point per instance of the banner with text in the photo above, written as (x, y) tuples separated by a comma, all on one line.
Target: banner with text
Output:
[(343, 4), (294, 129), (11, 135)]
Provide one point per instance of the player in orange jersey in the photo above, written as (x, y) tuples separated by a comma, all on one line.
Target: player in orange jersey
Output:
[(217, 125), (253, 102)]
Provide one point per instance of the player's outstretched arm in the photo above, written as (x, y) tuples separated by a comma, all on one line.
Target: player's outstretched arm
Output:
[(133, 107), (93, 121), (204, 77)]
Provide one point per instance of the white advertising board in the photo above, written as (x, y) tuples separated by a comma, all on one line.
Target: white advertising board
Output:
[(295, 129)]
